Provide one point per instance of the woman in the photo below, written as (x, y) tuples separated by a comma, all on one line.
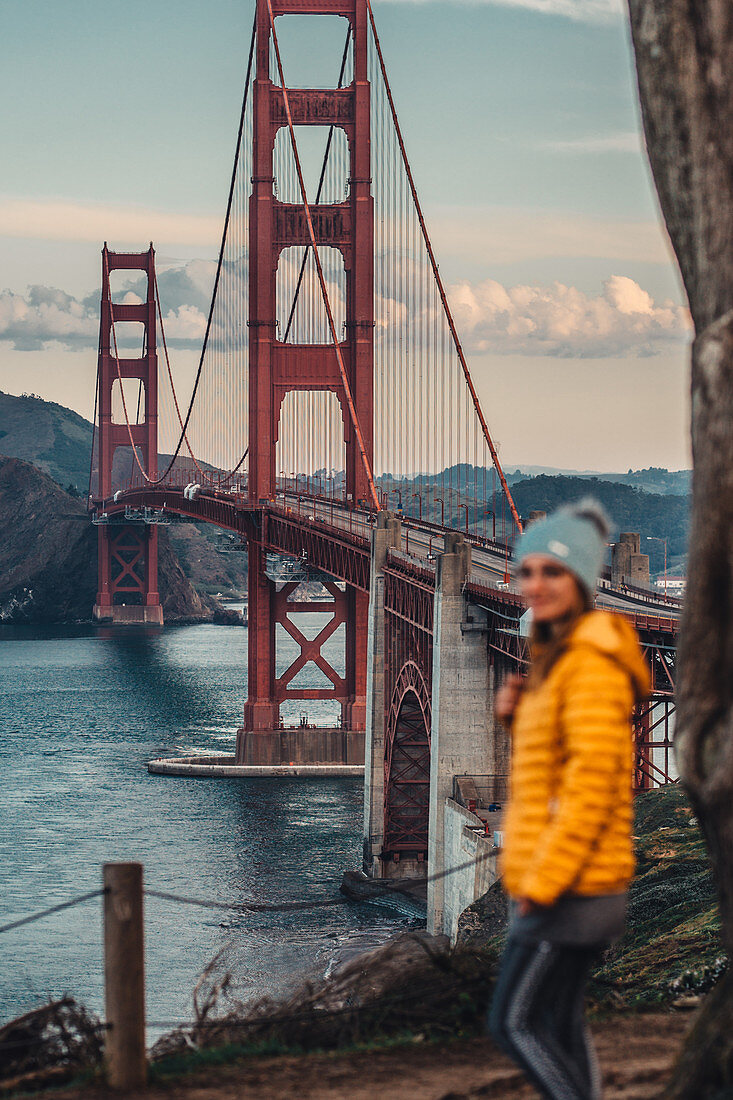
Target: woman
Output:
[(567, 857)]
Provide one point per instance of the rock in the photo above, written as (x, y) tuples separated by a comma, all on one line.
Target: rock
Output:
[(486, 918), (387, 967), (226, 616), (687, 1003)]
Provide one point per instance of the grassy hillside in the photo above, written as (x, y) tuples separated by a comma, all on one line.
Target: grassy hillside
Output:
[(56, 440), (672, 945)]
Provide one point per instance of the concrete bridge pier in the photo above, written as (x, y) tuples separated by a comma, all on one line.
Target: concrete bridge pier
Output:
[(387, 533), (462, 734)]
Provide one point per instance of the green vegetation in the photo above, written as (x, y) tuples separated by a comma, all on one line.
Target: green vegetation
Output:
[(55, 439), (630, 509), (674, 927), (653, 479)]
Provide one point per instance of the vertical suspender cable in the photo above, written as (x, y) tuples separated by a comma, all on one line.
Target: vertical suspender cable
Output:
[(436, 273), (184, 425)]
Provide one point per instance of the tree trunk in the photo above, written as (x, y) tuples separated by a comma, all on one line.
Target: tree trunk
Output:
[(684, 58)]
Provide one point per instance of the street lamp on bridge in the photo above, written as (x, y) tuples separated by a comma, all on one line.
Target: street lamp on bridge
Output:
[(441, 502), (419, 503)]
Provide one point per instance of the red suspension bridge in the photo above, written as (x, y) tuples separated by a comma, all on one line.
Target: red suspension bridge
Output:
[(333, 421)]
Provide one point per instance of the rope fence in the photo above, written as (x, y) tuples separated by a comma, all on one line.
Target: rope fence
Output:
[(383, 890), (124, 968), (53, 909)]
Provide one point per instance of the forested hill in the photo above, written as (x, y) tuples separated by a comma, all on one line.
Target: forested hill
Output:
[(653, 479), (630, 509), (55, 439)]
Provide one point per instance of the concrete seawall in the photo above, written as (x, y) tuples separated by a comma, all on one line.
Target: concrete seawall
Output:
[(465, 842), (225, 767)]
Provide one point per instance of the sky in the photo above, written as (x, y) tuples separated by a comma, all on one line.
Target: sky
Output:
[(522, 127)]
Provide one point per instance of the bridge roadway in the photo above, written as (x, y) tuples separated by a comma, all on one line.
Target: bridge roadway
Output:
[(490, 561), (336, 540)]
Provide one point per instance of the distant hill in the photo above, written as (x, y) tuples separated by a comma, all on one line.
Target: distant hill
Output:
[(654, 479), (661, 515), (653, 501), (55, 439), (48, 556)]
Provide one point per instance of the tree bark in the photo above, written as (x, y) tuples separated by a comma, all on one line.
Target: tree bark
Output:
[(684, 59)]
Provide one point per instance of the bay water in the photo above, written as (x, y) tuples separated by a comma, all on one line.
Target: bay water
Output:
[(82, 709)]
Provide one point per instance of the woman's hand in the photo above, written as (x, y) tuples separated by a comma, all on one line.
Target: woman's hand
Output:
[(507, 698), (525, 906)]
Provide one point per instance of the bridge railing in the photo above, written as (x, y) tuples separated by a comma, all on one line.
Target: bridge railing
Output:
[(646, 595), (412, 564)]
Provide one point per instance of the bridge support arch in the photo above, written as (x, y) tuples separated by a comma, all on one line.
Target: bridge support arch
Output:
[(430, 697)]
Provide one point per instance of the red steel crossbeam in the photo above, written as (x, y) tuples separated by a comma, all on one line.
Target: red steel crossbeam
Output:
[(310, 649), (127, 549)]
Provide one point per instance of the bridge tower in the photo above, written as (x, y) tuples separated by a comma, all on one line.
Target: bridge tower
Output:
[(128, 550), (277, 367)]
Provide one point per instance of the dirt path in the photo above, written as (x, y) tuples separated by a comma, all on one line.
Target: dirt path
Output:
[(636, 1053)]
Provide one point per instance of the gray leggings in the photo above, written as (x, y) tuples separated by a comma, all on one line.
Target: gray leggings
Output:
[(537, 1017)]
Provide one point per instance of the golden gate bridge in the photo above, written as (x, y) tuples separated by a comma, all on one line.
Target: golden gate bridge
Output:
[(333, 419)]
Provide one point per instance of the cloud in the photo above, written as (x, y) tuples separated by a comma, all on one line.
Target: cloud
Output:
[(555, 320), (562, 321), (188, 285), (45, 314), (580, 11), (48, 316)]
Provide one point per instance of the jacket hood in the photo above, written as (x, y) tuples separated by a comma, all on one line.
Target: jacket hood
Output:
[(615, 636)]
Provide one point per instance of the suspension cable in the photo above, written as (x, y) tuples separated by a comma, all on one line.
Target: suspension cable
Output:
[(184, 424), (436, 273), (324, 292), (222, 246)]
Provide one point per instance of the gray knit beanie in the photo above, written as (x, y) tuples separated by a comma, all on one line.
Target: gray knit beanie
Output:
[(575, 535)]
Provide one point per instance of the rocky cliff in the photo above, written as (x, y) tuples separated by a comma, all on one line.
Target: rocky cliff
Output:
[(48, 556)]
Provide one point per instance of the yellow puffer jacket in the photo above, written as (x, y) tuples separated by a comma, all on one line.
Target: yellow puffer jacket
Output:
[(568, 825)]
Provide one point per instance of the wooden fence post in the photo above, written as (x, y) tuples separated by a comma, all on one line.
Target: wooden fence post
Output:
[(124, 975)]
